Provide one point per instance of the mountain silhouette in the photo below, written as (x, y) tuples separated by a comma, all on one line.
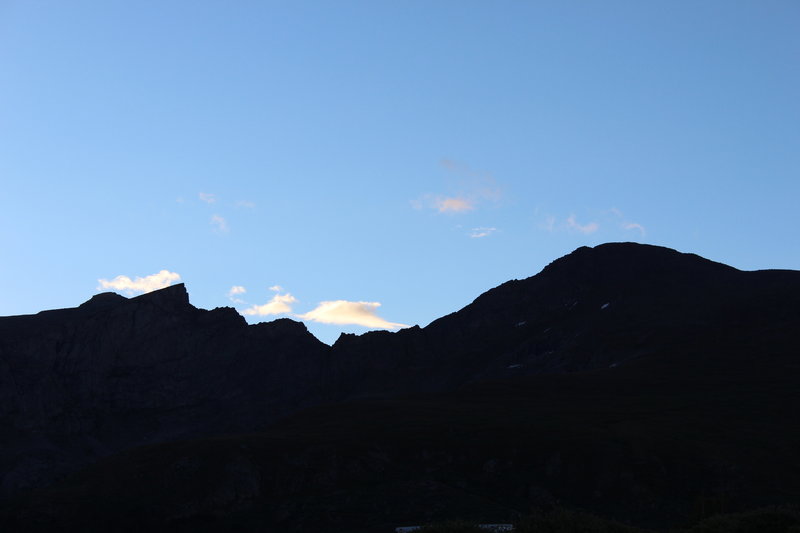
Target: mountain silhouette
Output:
[(114, 373), (631, 380)]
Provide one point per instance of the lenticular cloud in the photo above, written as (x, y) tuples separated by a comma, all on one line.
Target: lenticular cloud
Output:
[(343, 312)]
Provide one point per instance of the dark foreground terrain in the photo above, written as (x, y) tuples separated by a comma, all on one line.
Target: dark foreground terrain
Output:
[(633, 382)]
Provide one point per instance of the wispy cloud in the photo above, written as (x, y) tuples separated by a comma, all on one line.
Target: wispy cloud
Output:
[(549, 223), (219, 223), (455, 166), (607, 218), (586, 229), (277, 305), (627, 224), (634, 225), (480, 184), (444, 204), (478, 233), (207, 197), (246, 204), (453, 205), (159, 280), (276, 288), (471, 189), (343, 312)]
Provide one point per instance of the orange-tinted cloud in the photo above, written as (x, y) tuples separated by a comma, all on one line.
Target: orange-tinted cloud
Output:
[(454, 205), (343, 312)]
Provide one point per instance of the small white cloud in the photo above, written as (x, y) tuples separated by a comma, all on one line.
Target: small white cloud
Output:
[(276, 288), (478, 233), (207, 197), (343, 312), (234, 292), (236, 289), (246, 204), (150, 283), (219, 223), (586, 229), (179, 199), (453, 204), (277, 305), (634, 225)]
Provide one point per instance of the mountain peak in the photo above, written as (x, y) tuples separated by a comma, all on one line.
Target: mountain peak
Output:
[(173, 297), (618, 260), (104, 299)]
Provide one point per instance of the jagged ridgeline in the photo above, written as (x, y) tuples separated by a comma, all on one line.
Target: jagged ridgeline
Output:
[(635, 382)]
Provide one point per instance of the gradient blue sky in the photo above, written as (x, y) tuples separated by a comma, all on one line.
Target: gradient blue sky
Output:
[(411, 153)]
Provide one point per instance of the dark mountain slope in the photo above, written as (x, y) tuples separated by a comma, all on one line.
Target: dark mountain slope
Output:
[(594, 308), (631, 380), (653, 450), (77, 384)]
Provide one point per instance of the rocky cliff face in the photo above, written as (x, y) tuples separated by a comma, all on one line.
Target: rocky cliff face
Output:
[(77, 384)]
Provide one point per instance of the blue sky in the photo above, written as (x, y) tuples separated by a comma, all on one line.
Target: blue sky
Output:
[(412, 154)]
